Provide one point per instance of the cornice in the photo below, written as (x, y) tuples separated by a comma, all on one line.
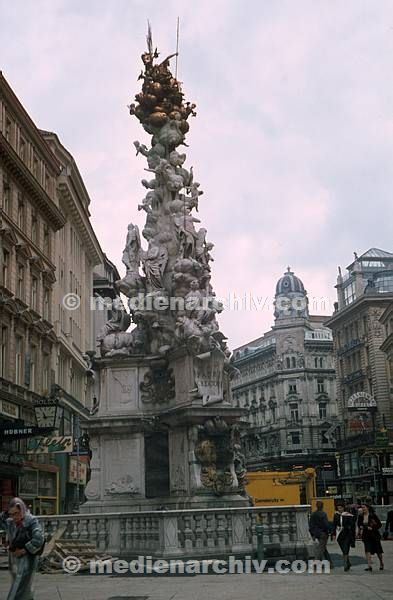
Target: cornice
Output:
[(80, 218), (20, 171), (14, 106)]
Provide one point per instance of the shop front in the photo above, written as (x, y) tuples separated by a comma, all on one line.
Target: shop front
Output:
[(38, 487), (11, 462)]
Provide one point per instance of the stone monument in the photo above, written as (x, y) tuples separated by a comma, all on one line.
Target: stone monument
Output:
[(165, 430)]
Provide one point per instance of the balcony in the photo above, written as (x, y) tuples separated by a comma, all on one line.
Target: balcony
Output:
[(359, 374), (350, 345), (354, 441), (10, 391)]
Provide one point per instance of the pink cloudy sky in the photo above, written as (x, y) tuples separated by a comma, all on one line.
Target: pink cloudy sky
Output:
[(293, 143)]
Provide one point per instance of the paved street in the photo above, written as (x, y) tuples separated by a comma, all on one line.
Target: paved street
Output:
[(357, 584)]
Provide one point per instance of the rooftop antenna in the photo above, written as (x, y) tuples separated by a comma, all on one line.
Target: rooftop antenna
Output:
[(177, 45)]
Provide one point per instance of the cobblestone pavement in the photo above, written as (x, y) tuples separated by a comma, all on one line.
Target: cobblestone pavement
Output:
[(356, 585)]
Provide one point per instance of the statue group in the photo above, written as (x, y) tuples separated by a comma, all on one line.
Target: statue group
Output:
[(175, 358), (173, 274)]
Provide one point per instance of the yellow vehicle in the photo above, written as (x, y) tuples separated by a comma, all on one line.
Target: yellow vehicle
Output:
[(280, 488)]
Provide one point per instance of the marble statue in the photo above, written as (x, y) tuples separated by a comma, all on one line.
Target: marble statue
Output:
[(176, 262)]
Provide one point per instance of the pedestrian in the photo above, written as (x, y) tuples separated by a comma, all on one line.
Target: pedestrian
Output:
[(344, 530), (369, 525), (388, 525), (319, 529), (25, 544)]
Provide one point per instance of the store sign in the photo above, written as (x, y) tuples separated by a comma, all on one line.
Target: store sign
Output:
[(382, 438), (50, 445), (361, 401), (387, 470), (360, 423), (73, 472), (10, 459), (9, 409)]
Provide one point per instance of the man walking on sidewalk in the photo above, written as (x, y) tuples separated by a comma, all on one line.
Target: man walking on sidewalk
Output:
[(319, 530)]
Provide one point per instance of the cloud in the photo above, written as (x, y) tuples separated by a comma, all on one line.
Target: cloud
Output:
[(293, 139)]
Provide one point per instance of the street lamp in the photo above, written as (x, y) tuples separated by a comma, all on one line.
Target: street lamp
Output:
[(48, 411)]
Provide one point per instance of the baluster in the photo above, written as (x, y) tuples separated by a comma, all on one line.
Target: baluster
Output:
[(83, 530), (149, 532), (228, 529), (93, 531), (210, 529), (68, 531), (285, 533), (220, 532), (156, 532), (275, 528), (188, 533), (123, 532), (198, 530), (102, 534), (138, 525)]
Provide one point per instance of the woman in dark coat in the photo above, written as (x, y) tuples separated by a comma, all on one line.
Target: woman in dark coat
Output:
[(344, 530), (369, 525)]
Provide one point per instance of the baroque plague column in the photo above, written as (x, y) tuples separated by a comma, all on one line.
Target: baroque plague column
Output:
[(165, 429)]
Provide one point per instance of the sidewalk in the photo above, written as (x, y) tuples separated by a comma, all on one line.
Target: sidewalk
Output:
[(357, 584)]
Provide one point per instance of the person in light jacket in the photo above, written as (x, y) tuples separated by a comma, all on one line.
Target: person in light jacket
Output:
[(25, 543)]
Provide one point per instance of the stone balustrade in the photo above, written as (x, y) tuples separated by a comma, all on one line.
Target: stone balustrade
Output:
[(215, 532)]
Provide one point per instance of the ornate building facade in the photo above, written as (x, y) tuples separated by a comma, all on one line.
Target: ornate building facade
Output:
[(286, 381), (29, 219), (48, 253), (365, 391)]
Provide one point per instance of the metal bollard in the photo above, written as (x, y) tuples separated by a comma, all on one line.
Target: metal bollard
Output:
[(260, 544)]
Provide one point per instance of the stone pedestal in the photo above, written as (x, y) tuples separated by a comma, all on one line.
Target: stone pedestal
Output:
[(159, 438)]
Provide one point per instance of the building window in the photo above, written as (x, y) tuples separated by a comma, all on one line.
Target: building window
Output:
[(22, 149), (45, 372), (34, 227), (6, 195), (324, 439), (295, 438), (8, 129), (322, 411), (321, 386), (6, 268), (46, 308), (34, 293), (288, 362), (318, 360), (292, 389), (18, 359), (36, 167), (293, 362), (46, 240), (4, 351), (33, 367), (20, 287), (349, 294), (21, 212), (294, 410)]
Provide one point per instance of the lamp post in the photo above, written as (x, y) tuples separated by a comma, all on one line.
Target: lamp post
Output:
[(48, 411)]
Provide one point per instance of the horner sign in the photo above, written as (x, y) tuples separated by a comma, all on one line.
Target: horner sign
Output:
[(361, 401)]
